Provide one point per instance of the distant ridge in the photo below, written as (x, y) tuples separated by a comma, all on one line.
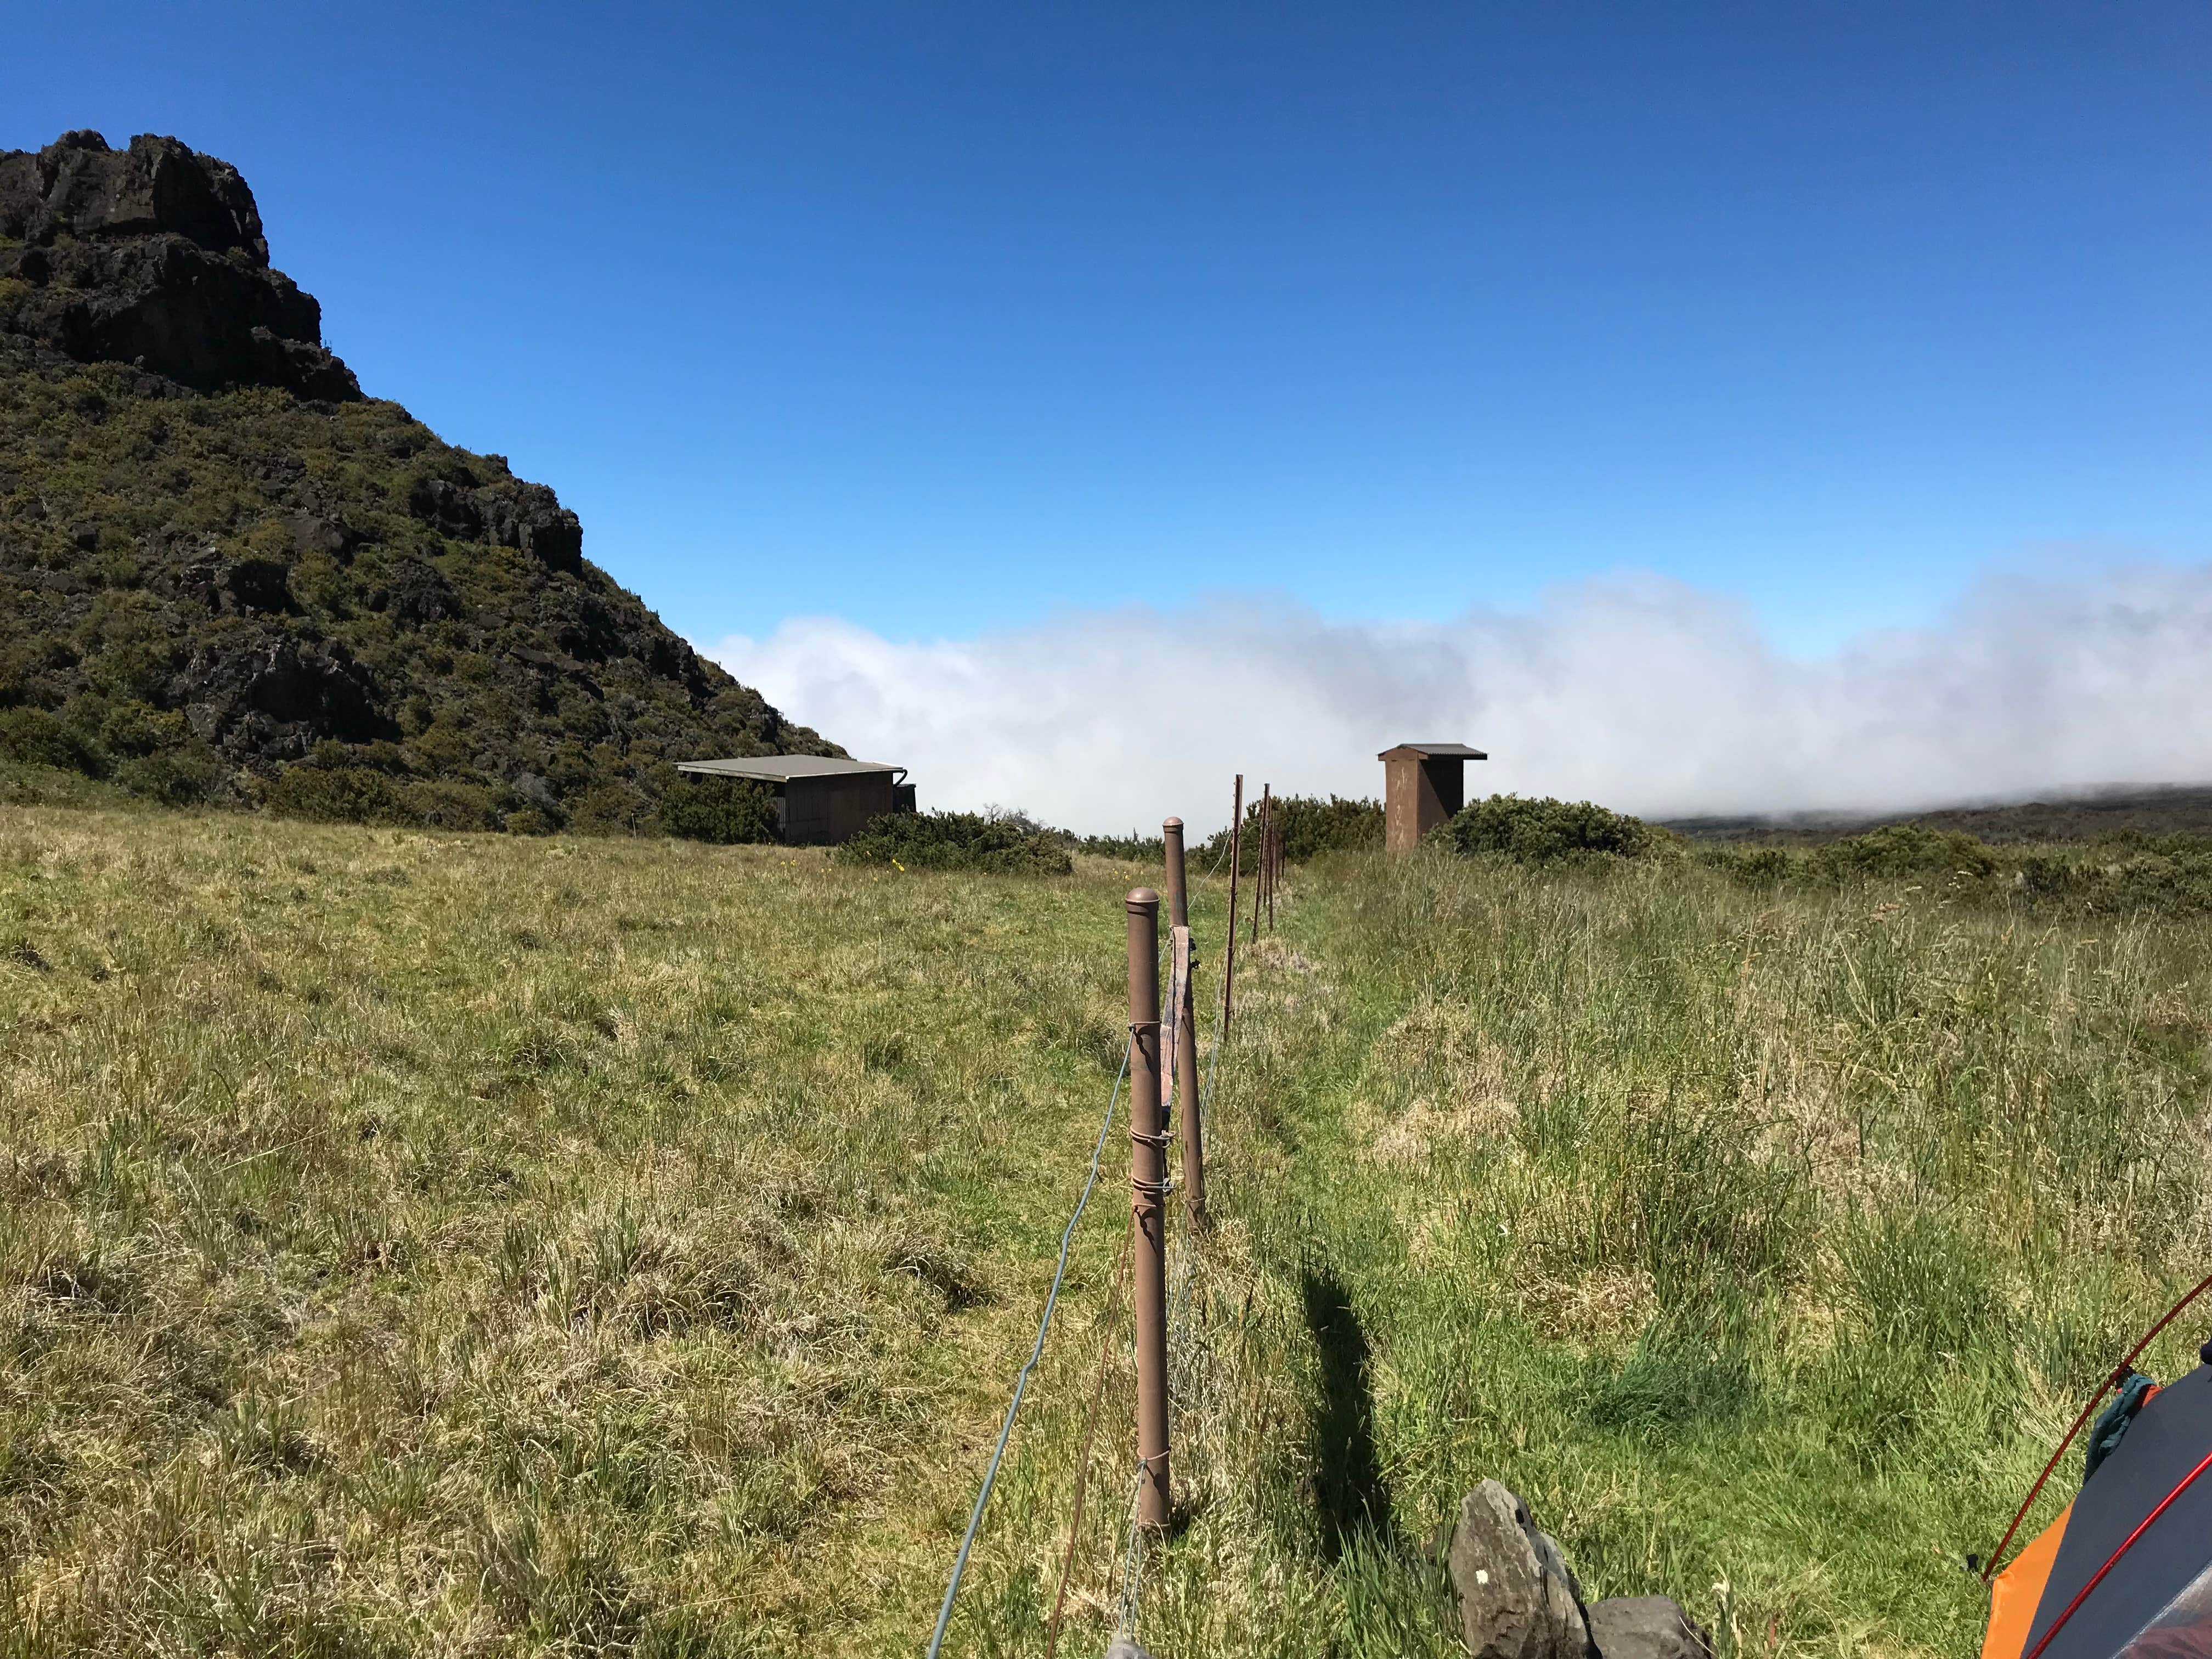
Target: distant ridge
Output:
[(227, 575), (2090, 815)]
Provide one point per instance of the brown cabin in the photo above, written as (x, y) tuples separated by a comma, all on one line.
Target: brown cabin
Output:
[(820, 800), (1422, 785)]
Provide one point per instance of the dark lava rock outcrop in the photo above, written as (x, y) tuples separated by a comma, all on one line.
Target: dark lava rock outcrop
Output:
[(154, 255), (225, 574)]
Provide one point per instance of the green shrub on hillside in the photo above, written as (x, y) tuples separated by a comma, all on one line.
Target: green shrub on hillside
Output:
[(2177, 882), (1135, 848), (2170, 875), (958, 840), (1539, 830), (24, 785), (174, 777), (727, 811), (295, 570), (140, 749), (333, 794), (1308, 826), (32, 737), (444, 804), (1904, 849), (1755, 865)]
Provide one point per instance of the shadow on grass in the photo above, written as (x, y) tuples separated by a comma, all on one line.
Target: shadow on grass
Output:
[(1350, 1491)]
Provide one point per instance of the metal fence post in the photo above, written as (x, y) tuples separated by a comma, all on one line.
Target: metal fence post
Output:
[(1275, 863), (1236, 873), (1148, 1204), (1260, 866), (1266, 890), (1191, 1130)]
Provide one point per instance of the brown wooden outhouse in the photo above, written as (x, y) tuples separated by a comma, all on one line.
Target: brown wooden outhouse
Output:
[(1422, 785), (820, 800)]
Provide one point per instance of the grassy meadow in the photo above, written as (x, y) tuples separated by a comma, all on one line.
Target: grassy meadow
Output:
[(426, 1243)]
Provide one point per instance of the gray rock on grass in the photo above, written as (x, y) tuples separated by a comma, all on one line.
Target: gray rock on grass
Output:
[(1647, 1627), (1517, 1596)]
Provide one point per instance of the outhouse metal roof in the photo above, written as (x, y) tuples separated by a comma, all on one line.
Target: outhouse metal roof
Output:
[(1434, 751), (781, 768)]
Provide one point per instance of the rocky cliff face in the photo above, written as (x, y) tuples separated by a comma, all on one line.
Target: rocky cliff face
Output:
[(226, 575), (154, 256)]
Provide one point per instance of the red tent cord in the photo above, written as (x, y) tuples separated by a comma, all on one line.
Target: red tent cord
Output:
[(2119, 1375), (2127, 1544)]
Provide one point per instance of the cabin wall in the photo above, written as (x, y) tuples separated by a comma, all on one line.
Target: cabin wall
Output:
[(823, 811)]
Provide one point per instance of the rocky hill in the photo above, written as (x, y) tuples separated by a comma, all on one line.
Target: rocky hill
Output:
[(227, 575)]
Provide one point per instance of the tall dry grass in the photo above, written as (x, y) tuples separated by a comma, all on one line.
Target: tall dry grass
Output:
[(451, 1243), (454, 1243), (1765, 1241)]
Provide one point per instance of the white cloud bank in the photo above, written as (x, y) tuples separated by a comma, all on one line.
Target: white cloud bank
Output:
[(1642, 694)]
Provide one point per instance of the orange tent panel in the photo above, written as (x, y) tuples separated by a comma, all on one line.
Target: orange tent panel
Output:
[(2018, 1589)]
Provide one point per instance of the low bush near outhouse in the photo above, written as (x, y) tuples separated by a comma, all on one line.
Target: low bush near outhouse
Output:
[(1307, 826), (1540, 830), (958, 840), (727, 811)]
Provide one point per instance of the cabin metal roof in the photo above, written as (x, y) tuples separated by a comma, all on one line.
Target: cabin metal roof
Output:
[(1434, 751), (781, 768)]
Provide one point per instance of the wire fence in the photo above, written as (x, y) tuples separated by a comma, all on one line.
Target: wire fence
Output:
[(1179, 1352), (1186, 1264), (1036, 1351)]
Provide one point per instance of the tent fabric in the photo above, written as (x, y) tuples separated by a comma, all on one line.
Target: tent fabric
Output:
[(2017, 1591), (2168, 1438), (2183, 1629)]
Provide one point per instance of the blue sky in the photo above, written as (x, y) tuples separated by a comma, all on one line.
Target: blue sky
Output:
[(942, 318)]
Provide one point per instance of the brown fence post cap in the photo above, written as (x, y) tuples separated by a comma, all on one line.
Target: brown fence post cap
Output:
[(1143, 898), (1172, 824)]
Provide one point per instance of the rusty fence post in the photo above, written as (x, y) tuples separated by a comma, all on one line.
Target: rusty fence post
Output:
[(1266, 868), (1148, 1205), (1267, 856), (1236, 873), (1259, 866), (1191, 1131), (1275, 881), (1274, 867)]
